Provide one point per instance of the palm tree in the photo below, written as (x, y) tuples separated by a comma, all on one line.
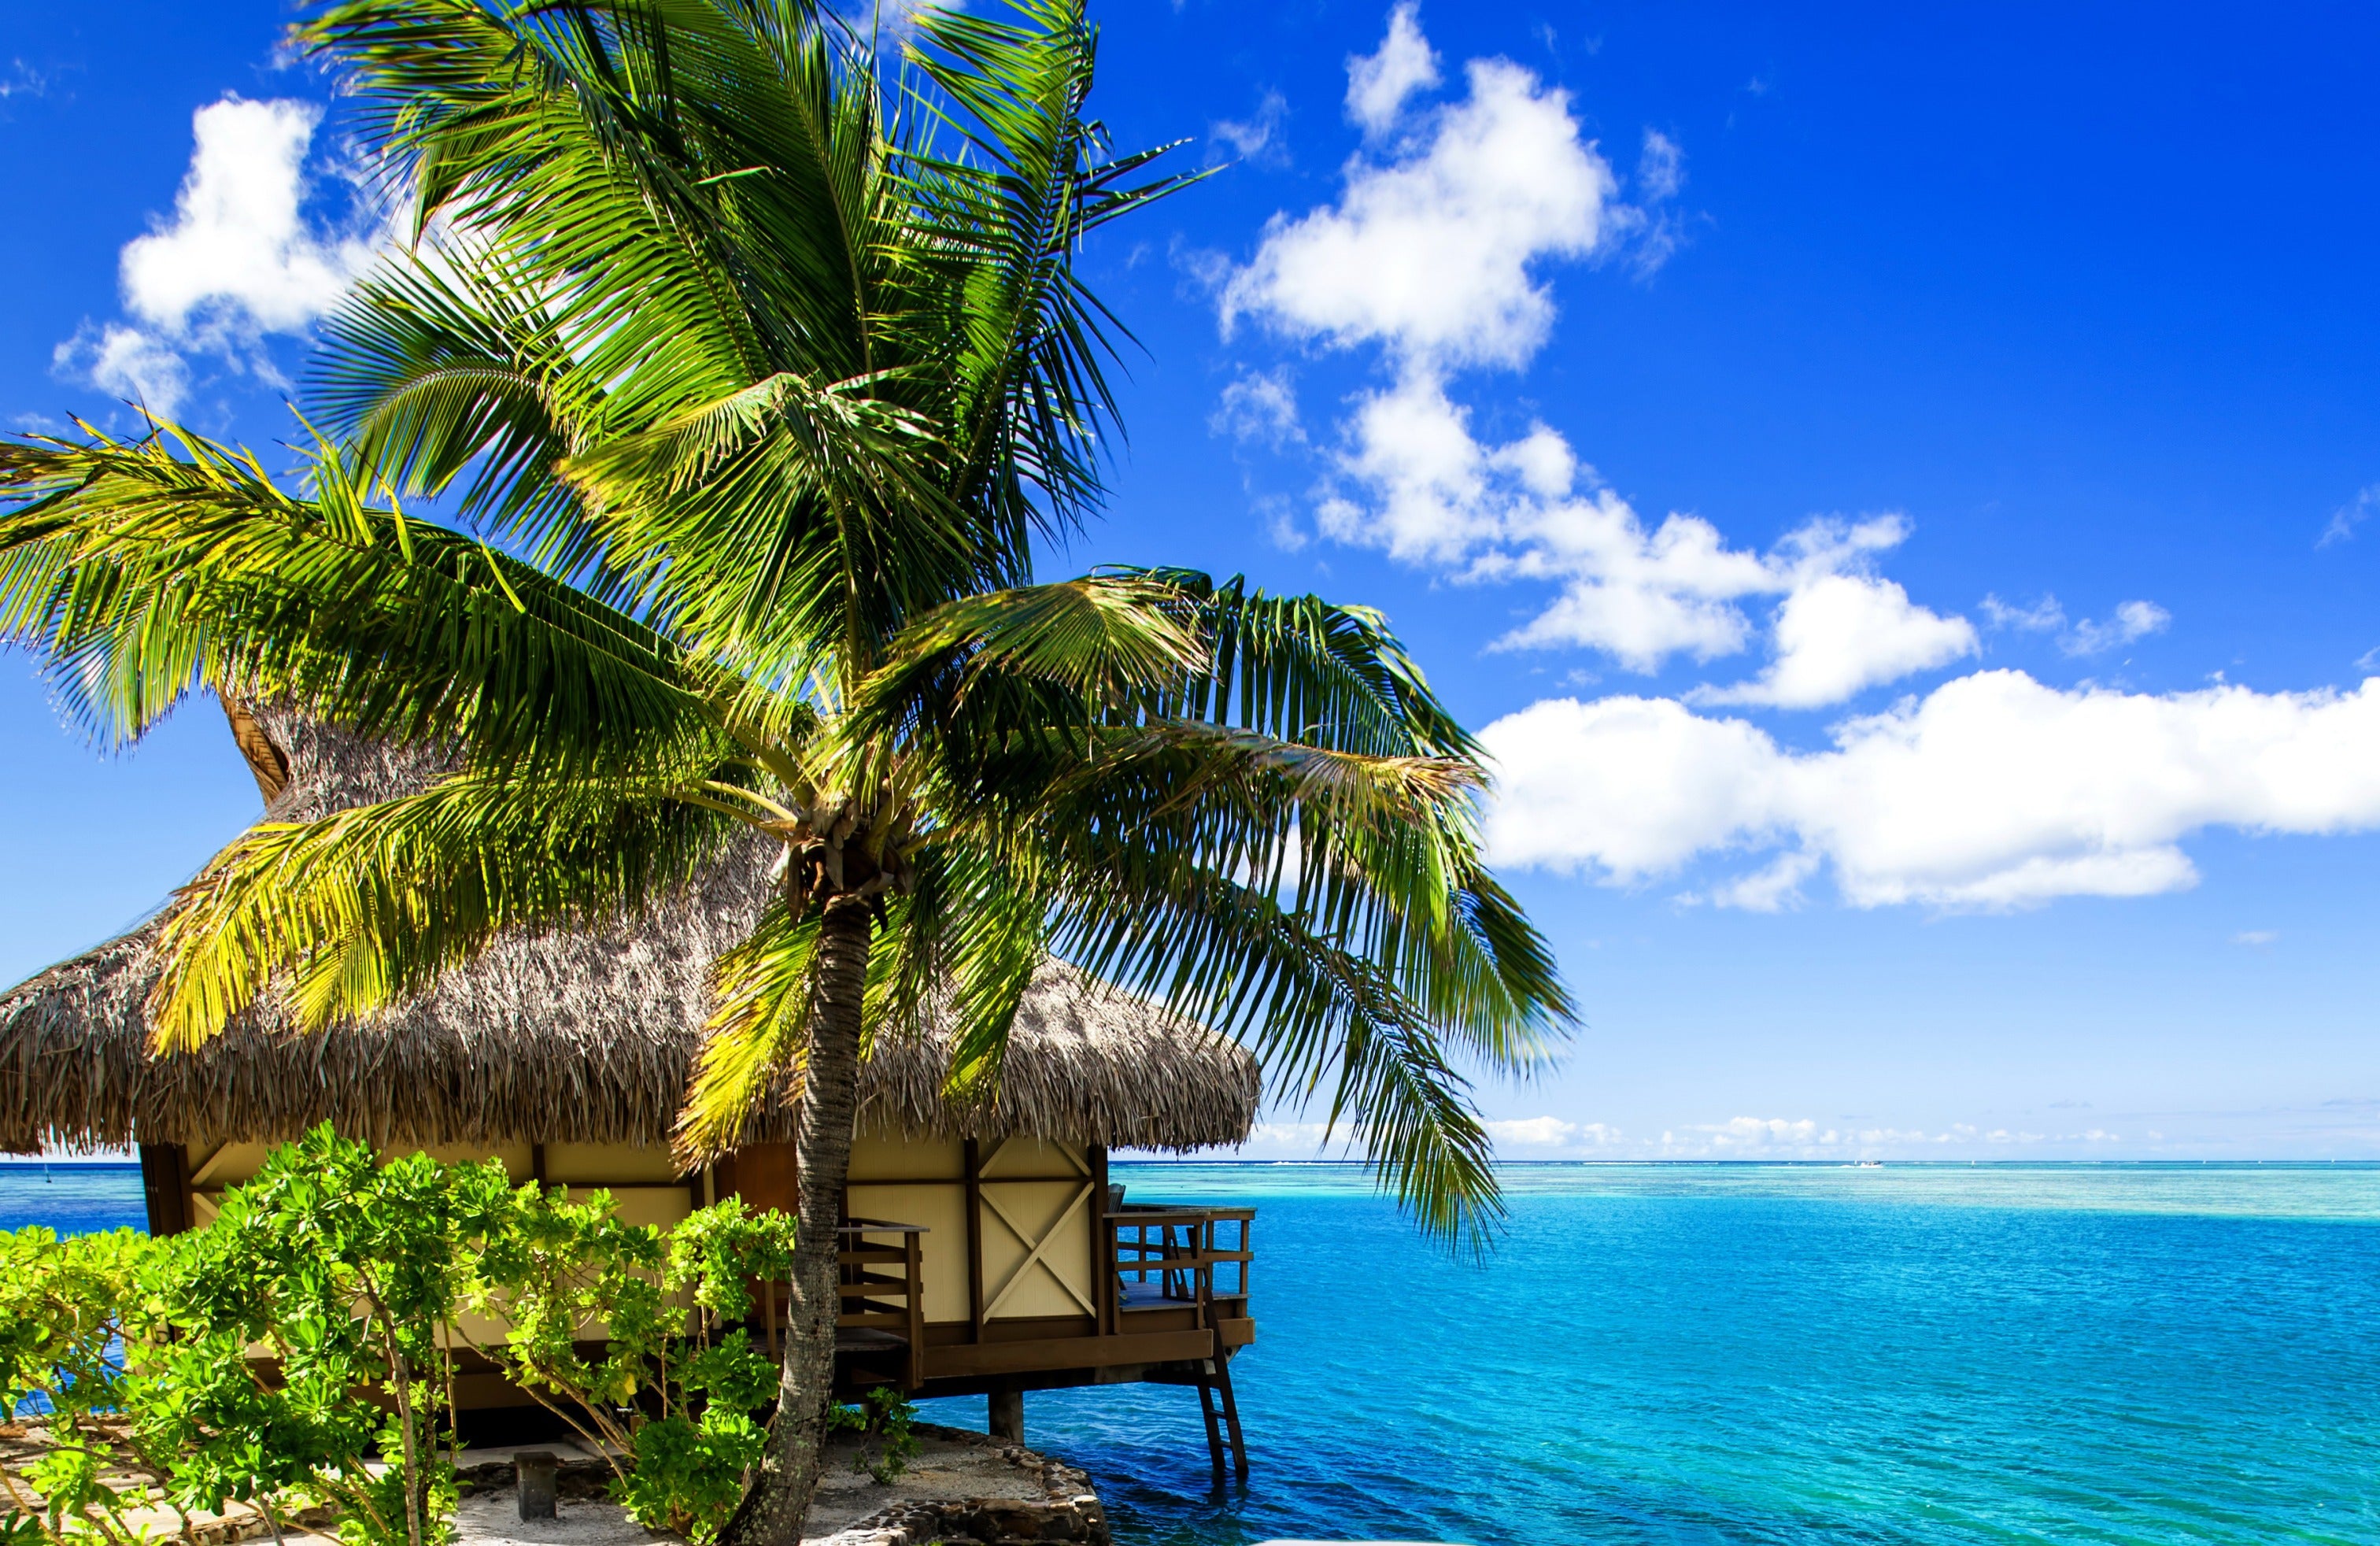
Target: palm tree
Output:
[(750, 378)]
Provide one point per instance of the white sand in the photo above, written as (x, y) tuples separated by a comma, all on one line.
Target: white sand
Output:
[(942, 1470)]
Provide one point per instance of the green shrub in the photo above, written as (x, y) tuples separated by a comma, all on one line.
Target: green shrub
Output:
[(349, 1278), (70, 1310), (886, 1417), (668, 1388), (346, 1273)]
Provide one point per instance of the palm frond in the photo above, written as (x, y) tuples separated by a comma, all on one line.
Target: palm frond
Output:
[(347, 915), (141, 573), (756, 1039)]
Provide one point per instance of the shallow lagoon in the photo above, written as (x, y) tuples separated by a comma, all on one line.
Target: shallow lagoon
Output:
[(1704, 1353)]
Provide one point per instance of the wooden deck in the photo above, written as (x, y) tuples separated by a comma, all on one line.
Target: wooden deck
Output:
[(1169, 1305), (1172, 1289)]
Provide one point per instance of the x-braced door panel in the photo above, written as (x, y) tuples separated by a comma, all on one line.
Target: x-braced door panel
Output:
[(1036, 1231)]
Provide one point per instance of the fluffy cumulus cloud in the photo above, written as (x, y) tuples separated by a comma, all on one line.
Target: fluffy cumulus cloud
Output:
[(1544, 1137), (1432, 252), (1435, 255), (1838, 634), (240, 259), (1378, 83), (1528, 509), (1993, 791)]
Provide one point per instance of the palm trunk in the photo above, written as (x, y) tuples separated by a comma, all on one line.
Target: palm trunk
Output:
[(771, 1512)]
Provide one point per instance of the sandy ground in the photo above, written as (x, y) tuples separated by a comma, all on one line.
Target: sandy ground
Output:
[(944, 1468)]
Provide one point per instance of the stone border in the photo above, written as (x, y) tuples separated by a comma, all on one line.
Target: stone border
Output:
[(1069, 1511)]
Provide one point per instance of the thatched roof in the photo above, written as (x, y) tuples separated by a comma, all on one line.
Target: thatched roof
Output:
[(572, 1037)]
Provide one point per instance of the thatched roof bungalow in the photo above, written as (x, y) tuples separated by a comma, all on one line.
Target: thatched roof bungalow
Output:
[(566, 1053)]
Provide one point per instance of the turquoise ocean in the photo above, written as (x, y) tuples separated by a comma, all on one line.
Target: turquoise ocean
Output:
[(1792, 1354)]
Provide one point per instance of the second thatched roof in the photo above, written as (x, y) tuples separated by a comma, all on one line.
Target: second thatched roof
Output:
[(583, 1037)]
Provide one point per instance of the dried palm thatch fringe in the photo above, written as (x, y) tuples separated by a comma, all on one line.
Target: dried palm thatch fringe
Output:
[(584, 1037)]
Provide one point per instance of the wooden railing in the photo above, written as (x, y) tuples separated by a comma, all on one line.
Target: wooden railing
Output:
[(875, 1273), (1167, 1257)]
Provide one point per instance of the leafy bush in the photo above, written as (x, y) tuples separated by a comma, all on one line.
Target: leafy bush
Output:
[(670, 1388), (885, 1415), (65, 1310), (347, 1274), (350, 1279)]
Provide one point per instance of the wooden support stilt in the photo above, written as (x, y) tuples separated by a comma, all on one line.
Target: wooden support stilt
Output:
[(1221, 1365), (1007, 1415), (1214, 1430)]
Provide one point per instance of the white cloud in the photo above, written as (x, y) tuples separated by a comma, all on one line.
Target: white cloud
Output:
[(1551, 1133), (1662, 168), (1289, 1140), (2133, 620), (1626, 788), (238, 259), (2348, 516), (1258, 137), (22, 79), (1377, 85), (2255, 937), (1654, 232), (1837, 634), (1640, 595), (1772, 889), (1431, 253), (1780, 1137), (1280, 523), (1994, 791), (238, 240), (1260, 406), (1433, 256), (127, 362), (2043, 616), (1529, 510)]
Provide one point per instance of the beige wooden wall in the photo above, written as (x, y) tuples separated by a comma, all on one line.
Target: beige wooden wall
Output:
[(1037, 1219), (1037, 1222), (641, 1180)]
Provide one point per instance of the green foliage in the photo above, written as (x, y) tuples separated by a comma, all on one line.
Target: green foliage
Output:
[(70, 1312), (668, 1386), (347, 1274), (60, 1307), (352, 1276), (883, 1419), (690, 1472)]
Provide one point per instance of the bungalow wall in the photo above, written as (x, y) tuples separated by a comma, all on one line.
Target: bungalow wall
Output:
[(1017, 1267)]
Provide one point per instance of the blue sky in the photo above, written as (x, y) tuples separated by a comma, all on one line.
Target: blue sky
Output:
[(1890, 484)]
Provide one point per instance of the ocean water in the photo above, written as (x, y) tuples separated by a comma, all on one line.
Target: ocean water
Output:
[(1691, 1355), (72, 1199)]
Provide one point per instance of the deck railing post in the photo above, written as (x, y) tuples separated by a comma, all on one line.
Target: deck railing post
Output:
[(915, 1287)]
